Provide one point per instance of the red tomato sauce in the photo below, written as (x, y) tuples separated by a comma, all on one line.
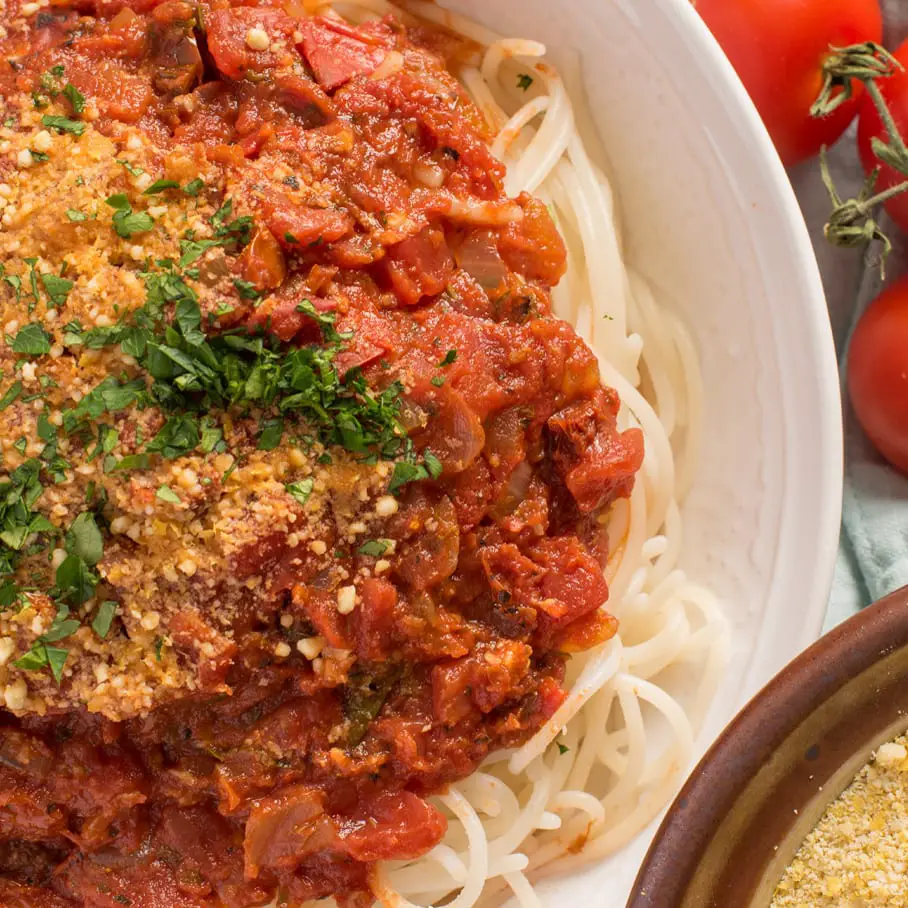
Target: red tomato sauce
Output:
[(393, 216)]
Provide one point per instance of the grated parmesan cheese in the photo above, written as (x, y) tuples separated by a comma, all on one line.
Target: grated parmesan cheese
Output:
[(857, 855), (164, 556)]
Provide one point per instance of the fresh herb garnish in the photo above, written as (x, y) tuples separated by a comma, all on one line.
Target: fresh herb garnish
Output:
[(42, 654), (238, 230), (129, 462), (32, 340), (49, 79), (324, 319), (104, 618), (14, 390), (165, 493), (18, 521), (375, 548), (232, 235), (246, 290), (406, 472), (127, 222), (75, 97), (178, 436), (130, 168), (57, 288), (212, 436), (32, 263), (108, 438), (300, 490), (271, 434), (433, 464), (47, 432), (15, 282), (364, 699), (109, 396), (63, 124), (195, 374), (75, 582), (83, 539), (192, 250), (159, 186)]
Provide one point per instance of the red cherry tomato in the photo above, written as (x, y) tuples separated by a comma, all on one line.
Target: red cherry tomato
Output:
[(778, 48), (878, 373), (894, 89)]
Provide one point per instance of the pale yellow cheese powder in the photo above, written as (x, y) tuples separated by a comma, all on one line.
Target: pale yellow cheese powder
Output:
[(857, 855)]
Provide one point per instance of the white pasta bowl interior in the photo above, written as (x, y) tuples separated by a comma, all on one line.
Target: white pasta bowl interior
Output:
[(710, 221)]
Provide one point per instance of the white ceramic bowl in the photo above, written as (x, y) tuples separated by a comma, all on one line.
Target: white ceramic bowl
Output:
[(710, 216)]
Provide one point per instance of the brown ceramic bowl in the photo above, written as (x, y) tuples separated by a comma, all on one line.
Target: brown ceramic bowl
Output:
[(748, 805)]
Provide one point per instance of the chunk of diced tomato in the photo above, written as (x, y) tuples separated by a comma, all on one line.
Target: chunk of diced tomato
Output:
[(395, 826), (420, 266), (337, 52)]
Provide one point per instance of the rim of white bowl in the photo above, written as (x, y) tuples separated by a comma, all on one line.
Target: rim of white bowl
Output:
[(809, 586)]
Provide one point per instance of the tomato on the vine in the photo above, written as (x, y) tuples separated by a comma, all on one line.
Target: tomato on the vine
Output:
[(878, 373), (778, 48), (894, 90)]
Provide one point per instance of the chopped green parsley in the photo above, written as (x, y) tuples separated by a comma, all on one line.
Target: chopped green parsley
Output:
[(63, 124)]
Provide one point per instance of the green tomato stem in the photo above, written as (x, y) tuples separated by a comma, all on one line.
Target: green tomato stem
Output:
[(852, 222), (861, 62)]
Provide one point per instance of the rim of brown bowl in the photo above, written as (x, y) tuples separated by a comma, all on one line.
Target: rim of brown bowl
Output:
[(792, 749)]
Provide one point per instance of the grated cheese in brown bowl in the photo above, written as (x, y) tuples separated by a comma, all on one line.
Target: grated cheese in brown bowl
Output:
[(857, 855)]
